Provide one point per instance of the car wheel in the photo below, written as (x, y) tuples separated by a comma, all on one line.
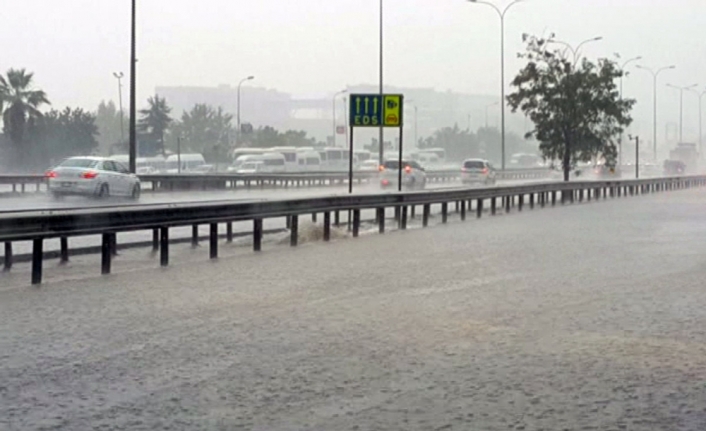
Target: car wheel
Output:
[(136, 190), (103, 192)]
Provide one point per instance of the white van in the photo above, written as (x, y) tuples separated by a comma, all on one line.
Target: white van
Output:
[(188, 162), (290, 157), (309, 161)]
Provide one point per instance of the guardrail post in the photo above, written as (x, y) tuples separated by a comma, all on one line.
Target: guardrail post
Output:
[(444, 212), (106, 254), (380, 216), (8, 256), (531, 201), (553, 197), (521, 202), (155, 240), (313, 217), (493, 203), (397, 214), (336, 218), (412, 211), (195, 235), (463, 210), (37, 257), (403, 218), (426, 209), (229, 232), (64, 250), (257, 234), (164, 246), (294, 228), (479, 208), (213, 240), (507, 204), (356, 222), (327, 226), (114, 244), (458, 209)]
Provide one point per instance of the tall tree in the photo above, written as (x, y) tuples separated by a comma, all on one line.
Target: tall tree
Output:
[(61, 134), (575, 105), (202, 128), (20, 103), (155, 120), (109, 127)]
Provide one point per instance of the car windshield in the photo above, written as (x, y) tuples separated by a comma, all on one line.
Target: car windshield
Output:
[(78, 163), (473, 164), (395, 164), (250, 166)]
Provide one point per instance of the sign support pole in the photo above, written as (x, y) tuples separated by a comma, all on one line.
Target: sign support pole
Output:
[(399, 174), (350, 163)]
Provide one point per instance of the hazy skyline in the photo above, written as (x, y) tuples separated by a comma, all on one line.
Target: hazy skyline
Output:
[(320, 46)]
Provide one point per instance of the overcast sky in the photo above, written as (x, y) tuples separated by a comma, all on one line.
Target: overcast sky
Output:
[(319, 46)]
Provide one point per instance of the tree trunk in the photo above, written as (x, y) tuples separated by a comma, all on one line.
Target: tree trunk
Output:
[(566, 162)]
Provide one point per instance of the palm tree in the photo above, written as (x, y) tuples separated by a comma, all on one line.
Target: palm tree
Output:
[(155, 119), (20, 103)]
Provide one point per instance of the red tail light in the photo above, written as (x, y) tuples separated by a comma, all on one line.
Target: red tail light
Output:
[(50, 174), (89, 175), (385, 182), (464, 170), (381, 168), (485, 170), (408, 169)]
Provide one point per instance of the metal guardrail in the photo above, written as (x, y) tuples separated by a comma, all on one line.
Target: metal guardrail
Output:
[(41, 225), (294, 179)]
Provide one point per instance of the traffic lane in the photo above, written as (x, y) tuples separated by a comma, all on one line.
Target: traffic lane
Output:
[(44, 202), (578, 335)]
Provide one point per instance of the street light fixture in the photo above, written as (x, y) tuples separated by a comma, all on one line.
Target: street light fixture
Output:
[(700, 95), (240, 84), (119, 76), (501, 14), (681, 106), (655, 75), (334, 114), (576, 51)]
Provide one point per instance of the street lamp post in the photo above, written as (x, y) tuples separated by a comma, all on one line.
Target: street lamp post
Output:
[(501, 14), (381, 132), (486, 112), (119, 76), (416, 129), (334, 114), (133, 102), (681, 107), (240, 84), (655, 75), (620, 140), (700, 95)]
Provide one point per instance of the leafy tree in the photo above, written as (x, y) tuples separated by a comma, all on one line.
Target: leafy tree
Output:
[(20, 103), (155, 120), (109, 127), (459, 144), (61, 134), (268, 136), (203, 128), (575, 106)]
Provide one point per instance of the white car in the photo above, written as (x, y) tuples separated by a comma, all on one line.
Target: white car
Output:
[(369, 166), (413, 175), (477, 171), (251, 168), (92, 176)]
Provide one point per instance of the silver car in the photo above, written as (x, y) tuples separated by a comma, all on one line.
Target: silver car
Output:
[(413, 175), (477, 171), (92, 176)]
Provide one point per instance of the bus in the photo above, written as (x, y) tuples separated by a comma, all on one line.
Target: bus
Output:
[(334, 159)]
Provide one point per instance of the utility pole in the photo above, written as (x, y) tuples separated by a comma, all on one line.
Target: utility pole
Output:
[(133, 102)]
